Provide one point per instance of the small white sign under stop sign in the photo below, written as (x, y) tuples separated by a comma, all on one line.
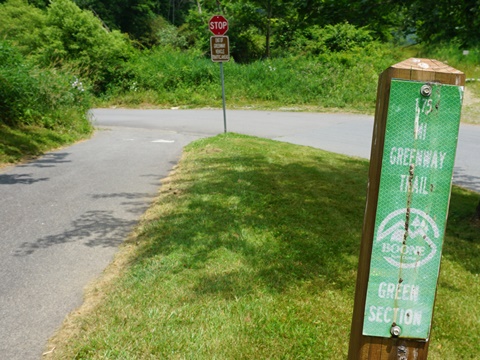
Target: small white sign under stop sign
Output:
[(219, 48)]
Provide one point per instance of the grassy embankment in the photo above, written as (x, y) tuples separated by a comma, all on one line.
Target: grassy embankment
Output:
[(40, 109), (343, 81), (29, 141), (250, 252)]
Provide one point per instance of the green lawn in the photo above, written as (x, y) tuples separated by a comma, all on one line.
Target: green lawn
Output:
[(250, 252)]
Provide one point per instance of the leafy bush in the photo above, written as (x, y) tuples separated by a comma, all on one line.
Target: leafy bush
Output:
[(317, 40), (247, 46), (195, 30), (46, 98), (67, 37), (344, 37), (162, 33), (78, 38), (168, 77), (23, 25), (173, 75), (15, 83)]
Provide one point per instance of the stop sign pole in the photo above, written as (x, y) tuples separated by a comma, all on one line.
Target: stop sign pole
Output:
[(218, 25)]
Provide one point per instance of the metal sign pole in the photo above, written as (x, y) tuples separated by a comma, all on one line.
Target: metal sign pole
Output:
[(220, 51), (223, 98)]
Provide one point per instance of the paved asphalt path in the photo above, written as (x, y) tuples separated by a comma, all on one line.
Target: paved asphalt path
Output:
[(63, 215), (349, 134)]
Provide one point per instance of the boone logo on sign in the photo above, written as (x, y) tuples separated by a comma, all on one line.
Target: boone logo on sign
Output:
[(421, 246), (218, 25)]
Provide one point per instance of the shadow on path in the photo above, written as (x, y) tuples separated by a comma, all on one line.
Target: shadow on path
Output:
[(461, 178), (24, 179), (48, 160), (95, 227)]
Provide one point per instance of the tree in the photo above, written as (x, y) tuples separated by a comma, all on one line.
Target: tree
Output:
[(23, 25), (63, 35), (381, 17), (132, 17), (477, 212), (447, 20), (137, 18)]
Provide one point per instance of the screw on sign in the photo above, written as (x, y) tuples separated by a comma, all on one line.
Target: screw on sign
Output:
[(218, 25)]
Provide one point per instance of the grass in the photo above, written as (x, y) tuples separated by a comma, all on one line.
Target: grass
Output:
[(17, 144), (166, 77), (250, 252), (344, 81), (471, 103), (24, 142)]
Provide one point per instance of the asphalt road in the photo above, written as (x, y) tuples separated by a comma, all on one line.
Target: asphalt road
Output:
[(61, 220), (63, 215), (349, 134)]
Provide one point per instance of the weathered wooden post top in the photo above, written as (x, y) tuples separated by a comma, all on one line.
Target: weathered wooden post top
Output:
[(414, 142)]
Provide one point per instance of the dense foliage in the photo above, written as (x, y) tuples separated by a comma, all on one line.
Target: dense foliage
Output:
[(30, 96), (64, 36), (323, 53), (269, 26), (40, 109), (169, 77), (96, 37), (260, 28)]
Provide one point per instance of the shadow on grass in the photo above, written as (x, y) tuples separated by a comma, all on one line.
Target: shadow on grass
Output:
[(289, 215), (462, 240), (286, 219), (16, 144)]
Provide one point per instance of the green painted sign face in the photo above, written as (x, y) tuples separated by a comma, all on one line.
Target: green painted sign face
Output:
[(415, 183)]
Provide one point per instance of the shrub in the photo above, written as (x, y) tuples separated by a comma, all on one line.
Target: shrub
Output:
[(317, 40), (23, 25), (162, 33), (77, 38), (66, 37), (15, 85), (30, 96), (164, 69)]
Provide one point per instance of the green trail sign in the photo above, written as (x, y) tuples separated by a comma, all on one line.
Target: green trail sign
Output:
[(415, 183)]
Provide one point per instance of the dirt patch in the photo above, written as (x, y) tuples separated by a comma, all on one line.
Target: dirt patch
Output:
[(470, 98), (471, 106)]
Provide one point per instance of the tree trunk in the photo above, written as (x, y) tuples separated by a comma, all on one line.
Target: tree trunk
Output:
[(269, 29), (267, 41)]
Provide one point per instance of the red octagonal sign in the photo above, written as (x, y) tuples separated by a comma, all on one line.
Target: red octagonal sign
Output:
[(218, 25)]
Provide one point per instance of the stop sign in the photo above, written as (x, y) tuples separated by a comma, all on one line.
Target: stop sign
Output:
[(218, 25)]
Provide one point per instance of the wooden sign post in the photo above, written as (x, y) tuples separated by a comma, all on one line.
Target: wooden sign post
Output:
[(411, 166)]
